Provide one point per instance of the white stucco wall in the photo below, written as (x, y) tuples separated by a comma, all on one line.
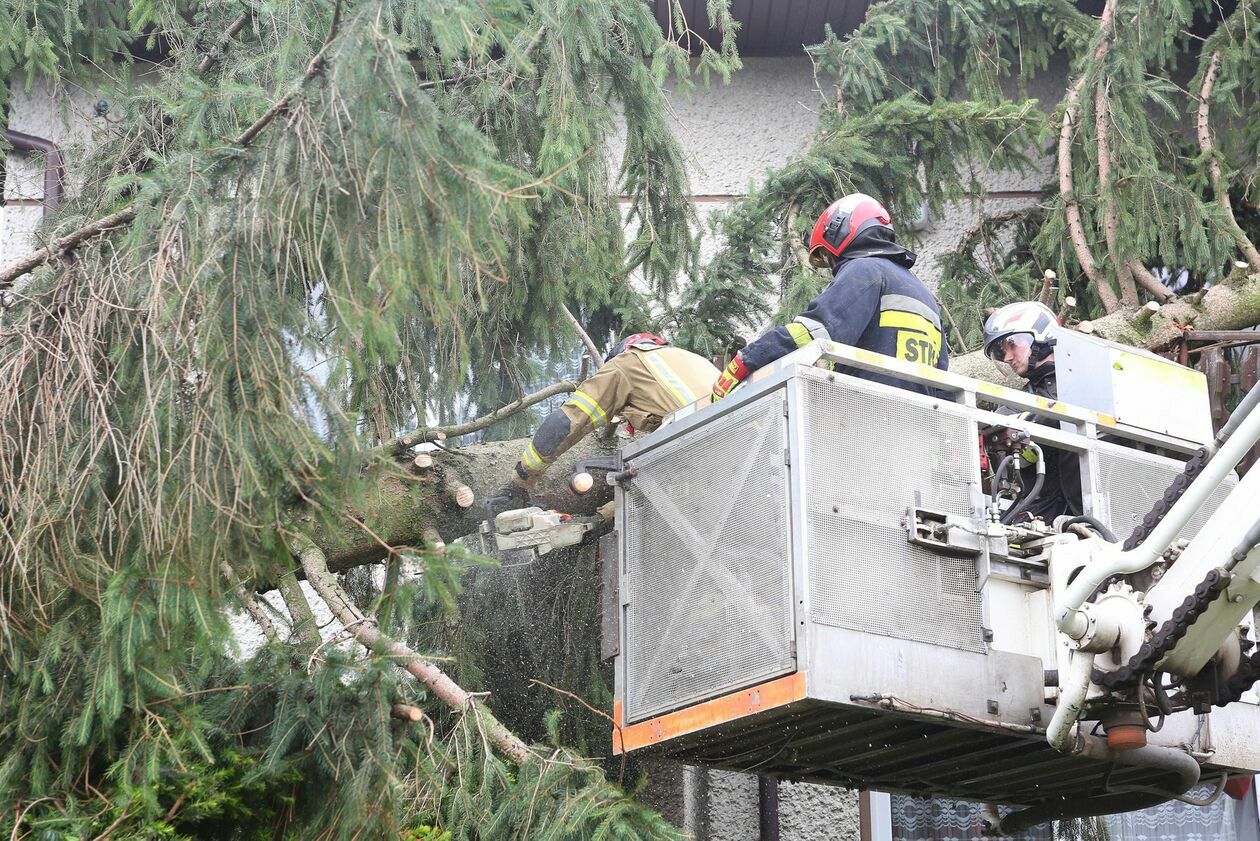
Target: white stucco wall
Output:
[(64, 114)]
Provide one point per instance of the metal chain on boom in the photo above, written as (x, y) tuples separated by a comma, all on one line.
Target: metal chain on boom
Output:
[(1169, 634), (1172, 493), (1242, 680)]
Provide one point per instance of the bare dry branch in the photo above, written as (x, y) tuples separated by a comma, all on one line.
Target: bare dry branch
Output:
[(63, 245), (365, 631), (438, 433), (1219, 188), (586, 337)]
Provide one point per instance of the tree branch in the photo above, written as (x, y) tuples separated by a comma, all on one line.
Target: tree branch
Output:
[(1071, 209), (247, 600), (216, 52), (305, 632), (1148, 281), (586, 337), (64, 244), (1219, 187), (125, 216), (437, 433), (312, 70), (365, 631), (1102, 137)]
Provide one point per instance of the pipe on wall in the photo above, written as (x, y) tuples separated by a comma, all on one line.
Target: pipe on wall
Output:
[(54, 166)]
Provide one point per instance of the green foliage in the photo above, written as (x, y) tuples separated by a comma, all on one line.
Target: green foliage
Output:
[(36, 37), (387, 248)]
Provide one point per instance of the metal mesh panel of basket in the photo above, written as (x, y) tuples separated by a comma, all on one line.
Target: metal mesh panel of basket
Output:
[(1134, 481), (868, 455), (708, 571)]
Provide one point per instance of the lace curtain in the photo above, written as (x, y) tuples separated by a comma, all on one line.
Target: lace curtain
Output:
[(957, 820), (946, 820), (1225, 820)]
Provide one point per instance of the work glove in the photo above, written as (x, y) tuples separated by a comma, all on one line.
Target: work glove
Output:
[(734, 374)]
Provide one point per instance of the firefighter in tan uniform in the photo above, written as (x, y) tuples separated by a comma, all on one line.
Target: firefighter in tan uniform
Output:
[(642, 379)]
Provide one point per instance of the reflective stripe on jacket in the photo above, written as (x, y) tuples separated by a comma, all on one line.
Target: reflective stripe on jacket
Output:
[(641, 384)]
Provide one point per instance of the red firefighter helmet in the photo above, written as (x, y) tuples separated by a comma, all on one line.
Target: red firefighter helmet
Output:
[(841, 222), (636, 340)]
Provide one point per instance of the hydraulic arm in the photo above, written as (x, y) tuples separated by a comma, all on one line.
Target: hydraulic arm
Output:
[(1156, 620)]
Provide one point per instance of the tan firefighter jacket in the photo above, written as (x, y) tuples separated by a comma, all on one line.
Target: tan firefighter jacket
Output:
[(642, 384)]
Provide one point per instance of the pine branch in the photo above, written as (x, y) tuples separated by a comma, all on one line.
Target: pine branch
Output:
[(1219, 187), (281, 105), (305, 631), (1148, 281), (247, 600), (586, 337), (212, 58), (315, 565), (124, 217), (438, 433)]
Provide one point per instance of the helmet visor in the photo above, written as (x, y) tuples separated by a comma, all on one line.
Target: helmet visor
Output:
[(819, 257), (998, 349)]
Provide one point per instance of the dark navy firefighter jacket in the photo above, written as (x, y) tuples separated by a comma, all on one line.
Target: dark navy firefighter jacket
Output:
[(873, 303)]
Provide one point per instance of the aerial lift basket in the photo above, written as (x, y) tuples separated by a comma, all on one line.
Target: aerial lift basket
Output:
[(785, 599)]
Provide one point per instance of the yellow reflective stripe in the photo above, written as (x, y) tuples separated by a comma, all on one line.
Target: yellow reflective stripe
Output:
[(909, 321), (532, 460), (799, 333), (669, 379), (591, 407)]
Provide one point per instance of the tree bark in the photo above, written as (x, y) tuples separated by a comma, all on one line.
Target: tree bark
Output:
[(1219, 188), (1072, 209), (364, 629), (405, 507), (1102, 127)]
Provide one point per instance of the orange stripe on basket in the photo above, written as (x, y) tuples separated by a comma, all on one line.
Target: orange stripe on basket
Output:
[(763, 696)]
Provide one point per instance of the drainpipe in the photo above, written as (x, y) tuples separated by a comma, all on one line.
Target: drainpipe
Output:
[(54, 169), (768, 811)]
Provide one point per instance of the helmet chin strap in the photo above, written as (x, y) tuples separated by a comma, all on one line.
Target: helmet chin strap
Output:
[(1040, 351)]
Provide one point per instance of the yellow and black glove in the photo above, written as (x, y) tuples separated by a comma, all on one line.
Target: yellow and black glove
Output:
[(734, 374)]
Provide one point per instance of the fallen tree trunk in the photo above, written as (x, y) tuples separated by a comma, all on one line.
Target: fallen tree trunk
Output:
[(405, 503)]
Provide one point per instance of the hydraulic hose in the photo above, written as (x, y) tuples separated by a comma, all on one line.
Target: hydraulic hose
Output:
[(998, 478), (1174, 761), (1250, 540), (1035, 491), (1093, 522)]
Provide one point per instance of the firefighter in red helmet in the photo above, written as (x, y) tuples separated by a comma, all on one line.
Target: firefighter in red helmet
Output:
[(873, 301)]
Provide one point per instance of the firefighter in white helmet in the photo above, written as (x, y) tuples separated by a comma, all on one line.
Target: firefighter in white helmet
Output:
[(1021, 335)]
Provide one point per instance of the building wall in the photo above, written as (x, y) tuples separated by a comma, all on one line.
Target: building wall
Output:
[(66, 115)]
